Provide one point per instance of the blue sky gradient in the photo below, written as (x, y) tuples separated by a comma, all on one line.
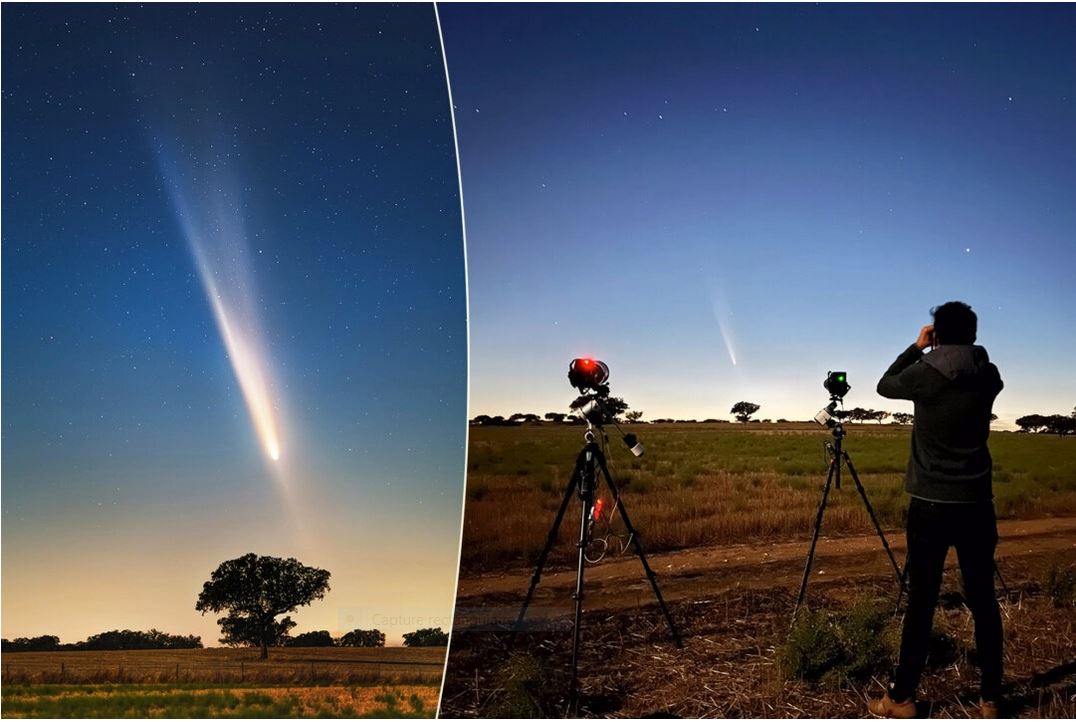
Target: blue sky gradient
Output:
[(669, 187), (312, 145)]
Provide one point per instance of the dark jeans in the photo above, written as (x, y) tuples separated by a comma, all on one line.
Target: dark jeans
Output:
[(932, 529)]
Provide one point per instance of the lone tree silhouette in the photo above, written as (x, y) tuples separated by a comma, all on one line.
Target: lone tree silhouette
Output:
[(743, 410), (254, 591)]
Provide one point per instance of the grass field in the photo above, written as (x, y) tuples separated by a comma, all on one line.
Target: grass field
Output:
[(701, 484), (726, 511), (293, 682)]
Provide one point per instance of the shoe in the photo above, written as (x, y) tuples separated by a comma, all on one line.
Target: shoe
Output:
[(886, 707), (989, 710)]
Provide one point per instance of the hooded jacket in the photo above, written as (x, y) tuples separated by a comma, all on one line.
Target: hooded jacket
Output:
[(953, 387)]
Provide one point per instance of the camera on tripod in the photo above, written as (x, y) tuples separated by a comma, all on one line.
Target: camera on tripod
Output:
[(591, 377), (836, 384)]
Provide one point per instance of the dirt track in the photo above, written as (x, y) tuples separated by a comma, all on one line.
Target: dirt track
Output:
[(732, 604), (696, 574)]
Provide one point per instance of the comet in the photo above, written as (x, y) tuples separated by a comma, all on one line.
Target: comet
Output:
[(723, 316), (248, 367), (211, 218)]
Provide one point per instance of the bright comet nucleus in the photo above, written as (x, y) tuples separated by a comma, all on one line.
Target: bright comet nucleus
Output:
[(248, 366)]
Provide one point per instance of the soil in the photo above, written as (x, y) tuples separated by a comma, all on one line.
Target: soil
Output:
[(733, 606)]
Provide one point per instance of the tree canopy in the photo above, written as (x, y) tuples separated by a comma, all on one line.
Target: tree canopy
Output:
[(254, 590), (429, 637), (320, 638), (743, 410), (362, 638), (1052, 424)]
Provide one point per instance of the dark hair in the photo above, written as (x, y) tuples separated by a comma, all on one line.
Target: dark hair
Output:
[(955, 323)]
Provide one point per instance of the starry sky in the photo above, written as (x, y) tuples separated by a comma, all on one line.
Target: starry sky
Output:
[(725, 202), (293, 165)]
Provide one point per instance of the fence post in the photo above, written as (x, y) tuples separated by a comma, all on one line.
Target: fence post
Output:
[(242, 672), (63, 672), (177, 672)]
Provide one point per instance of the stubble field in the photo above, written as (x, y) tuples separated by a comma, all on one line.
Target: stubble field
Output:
[(705, 484), (217, 682), (725, 512)]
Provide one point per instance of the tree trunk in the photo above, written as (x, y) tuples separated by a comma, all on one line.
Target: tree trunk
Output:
[(265, 648)]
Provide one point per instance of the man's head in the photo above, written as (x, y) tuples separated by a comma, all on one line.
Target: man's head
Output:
[(954, 323)]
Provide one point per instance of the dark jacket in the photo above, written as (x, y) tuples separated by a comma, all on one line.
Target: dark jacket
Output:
[(953, 388)]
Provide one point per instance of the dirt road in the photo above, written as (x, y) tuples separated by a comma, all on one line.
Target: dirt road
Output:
[(696, 574)]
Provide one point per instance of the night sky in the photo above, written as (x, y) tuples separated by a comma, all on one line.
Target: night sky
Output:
[(725, 202), (303, 155)]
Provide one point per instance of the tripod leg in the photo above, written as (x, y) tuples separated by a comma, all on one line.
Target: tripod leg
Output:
[(874, 519), (550, 540), (814, 537), (1004, 586), (584, 523), (634, 536), (903, 584)]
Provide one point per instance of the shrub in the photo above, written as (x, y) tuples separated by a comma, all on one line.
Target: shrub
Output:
[(863, 632), (812, 648), (836, 647), (1060, 585), (523, 691)]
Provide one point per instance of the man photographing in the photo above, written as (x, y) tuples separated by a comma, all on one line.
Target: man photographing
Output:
[(949, 481)]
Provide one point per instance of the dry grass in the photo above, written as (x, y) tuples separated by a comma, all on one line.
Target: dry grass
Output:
[(711, 485), (289, 666), (222, 701), (707, 484), (730, 666)]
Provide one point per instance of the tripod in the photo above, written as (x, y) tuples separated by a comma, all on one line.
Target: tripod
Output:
[(584, 481), (839, 457)]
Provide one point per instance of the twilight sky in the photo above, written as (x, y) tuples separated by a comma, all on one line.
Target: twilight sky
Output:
[(214, 215), (672, 188)]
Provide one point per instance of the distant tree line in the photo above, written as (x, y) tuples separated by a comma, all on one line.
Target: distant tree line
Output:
[(127, 640), (861, 414), (616, 409), (1048, 424), (743, 411), (430, 637), (114, 640), (322, 638)]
